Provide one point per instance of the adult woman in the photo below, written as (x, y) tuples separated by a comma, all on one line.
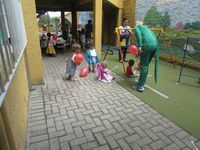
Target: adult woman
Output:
[(124, 32)]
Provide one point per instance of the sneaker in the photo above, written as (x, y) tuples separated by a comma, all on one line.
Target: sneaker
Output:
[(138, 88)]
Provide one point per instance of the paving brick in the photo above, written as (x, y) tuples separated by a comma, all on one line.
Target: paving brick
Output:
[(78, 131), (43, 145), (117, 126), (135, 146), (151, 134), (54, 144), (97, 121), (112, 142), (57, 134), (140, 132), (68, 128), (38, 127), (132, 138), (171, 147), (109, 132), (107, 124), (123, 144), (89, 145), (104, 147), (88, 126), (164, 138), (78, 141), (182, 134), (158, 145), (101, 140), (120, 135), (38, 132), (177, 141), (98, 129), (39, 138), (89, 135), (78, 123), (67, 137)]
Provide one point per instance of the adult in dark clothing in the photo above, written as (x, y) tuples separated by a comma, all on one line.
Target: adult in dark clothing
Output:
[(88, 30)]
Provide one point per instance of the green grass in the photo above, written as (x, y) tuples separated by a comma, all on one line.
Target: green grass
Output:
[(183, 105)]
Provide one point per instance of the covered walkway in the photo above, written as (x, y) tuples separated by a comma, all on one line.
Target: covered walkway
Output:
[(87, 114), (107, 16)]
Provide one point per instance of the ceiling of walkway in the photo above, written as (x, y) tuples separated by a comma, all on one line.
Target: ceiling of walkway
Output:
[(68, 5)]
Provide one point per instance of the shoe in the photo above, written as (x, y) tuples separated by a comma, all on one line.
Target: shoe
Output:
[(138, 88), (121, 61)]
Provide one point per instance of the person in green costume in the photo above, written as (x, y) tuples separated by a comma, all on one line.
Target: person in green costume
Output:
[(148, 46)]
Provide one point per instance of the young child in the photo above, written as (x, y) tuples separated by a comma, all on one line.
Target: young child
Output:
[(71, 65), (91, 56), (103, 71), (129, 70), (50, 49)]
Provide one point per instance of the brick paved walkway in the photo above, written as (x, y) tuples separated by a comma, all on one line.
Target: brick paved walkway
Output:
[(88, 114)]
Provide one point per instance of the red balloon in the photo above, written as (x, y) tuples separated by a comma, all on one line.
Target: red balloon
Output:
[(133, 50), (79, 58), (84, 72)]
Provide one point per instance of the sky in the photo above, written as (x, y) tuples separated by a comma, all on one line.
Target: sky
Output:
[(54, 13)]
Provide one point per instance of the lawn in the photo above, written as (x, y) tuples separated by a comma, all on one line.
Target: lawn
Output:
[(183, 105)]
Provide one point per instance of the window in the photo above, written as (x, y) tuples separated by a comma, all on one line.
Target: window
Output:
[(12, 41)]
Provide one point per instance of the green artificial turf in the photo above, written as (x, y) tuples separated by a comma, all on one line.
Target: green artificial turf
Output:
[(183, 105)]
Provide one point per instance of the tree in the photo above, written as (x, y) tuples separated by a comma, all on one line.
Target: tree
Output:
[(153, 17), (44, 20), (166, 20)]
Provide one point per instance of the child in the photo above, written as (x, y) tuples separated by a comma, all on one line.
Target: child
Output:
[(129, 70), (71, 65), (50, 49), (104, 73), (91, 56)]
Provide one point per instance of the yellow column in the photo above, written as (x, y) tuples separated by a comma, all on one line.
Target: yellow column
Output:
[(33, 46), (119, 18), (98, 9), (119, 22), (129, 12)]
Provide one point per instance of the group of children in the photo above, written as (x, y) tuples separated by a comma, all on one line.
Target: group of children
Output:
[(93, 64)]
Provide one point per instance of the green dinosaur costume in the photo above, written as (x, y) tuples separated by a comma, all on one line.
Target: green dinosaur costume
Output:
[(148, 41)]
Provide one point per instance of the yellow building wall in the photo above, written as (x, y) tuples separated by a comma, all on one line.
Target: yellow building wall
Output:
[(109, 24), (33, 45), (128, 11), (117, 3), (3, 137), (14, 110)]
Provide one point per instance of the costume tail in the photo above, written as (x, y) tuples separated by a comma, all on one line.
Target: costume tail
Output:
[(156, 66)]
